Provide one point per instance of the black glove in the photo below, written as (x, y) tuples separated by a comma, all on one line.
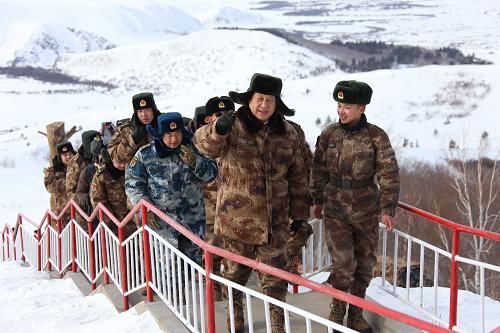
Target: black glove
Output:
[(139, 134), (295, 225), (225, 122), (57, 163)]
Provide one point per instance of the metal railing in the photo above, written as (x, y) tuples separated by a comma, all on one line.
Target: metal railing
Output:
[(186, 288)]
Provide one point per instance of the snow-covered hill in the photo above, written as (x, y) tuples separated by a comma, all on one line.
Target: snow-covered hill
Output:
[(215, 58), (42, 45)]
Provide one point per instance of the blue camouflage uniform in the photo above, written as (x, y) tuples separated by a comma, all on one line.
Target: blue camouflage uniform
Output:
[(172, 186)]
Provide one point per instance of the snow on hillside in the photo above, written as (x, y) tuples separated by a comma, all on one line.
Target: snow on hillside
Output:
[(41, 45), (216, 58), (32, 302), (230, 16), (122, 23)]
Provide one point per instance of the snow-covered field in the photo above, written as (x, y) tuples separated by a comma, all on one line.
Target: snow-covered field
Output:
[(32, 302)]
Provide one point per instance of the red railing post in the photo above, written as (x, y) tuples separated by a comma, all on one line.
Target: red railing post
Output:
[(454, 279), (123, 268), (91, 255), (73, 239), (104, 250), (47, 232), (39, 250), (20, 231), (3, 247), (59, 246), (147, 253), (209, 289)]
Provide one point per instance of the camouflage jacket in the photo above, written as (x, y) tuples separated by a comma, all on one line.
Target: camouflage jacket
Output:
[(82, 196), (171, 185), (355, 155), (210, 194), (122, 147), (262, 178), (55, 183), (75, 167), (109, 190)]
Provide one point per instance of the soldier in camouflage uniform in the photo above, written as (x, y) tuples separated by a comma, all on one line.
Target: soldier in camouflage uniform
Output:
[(132, 135), (170, 173), (350, 157), (78, 163), (108, 188), (55, 177), (261, 186), (214, 108)]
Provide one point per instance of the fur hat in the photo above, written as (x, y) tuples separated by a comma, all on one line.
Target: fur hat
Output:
[(352, 92), (64, 147), (167, 123), (144, 100), (267, 85), (218, 104)]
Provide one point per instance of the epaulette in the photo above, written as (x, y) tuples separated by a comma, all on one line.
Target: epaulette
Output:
[(100, 170), (128, 123), (147, 145)]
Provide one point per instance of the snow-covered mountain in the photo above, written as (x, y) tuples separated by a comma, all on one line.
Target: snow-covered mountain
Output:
[(206, 58), (43, 45)]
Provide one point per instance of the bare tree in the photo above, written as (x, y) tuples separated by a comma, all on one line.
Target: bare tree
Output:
[(475, 179)]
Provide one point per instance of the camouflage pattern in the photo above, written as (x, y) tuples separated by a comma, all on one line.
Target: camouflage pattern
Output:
[(55, 183), (298, 239), (110, 191), (351, 215), (262, 181), (172, 186), (122, 147), (273, 254), (75, 167), (210, 195)]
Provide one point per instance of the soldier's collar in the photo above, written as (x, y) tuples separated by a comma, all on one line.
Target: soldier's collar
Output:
[(353, 129)]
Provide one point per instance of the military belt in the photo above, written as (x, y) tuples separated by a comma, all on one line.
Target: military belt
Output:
[(351, 183)]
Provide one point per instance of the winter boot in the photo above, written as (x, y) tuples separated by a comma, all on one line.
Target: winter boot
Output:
[(356, 321), (337, 312), (239, 318), (277, 319)]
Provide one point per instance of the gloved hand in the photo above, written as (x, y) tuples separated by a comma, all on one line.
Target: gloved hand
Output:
[(139, 133), (295, 225), (153, 221), (188, 156), (225, 122)]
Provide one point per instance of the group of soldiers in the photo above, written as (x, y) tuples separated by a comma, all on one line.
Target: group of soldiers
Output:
[(245, 180)]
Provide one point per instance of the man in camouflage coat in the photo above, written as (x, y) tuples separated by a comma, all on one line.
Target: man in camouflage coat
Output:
[(55, 177), (170, 173), (350, 157), (79, 162), (108, 188), (132, 135), (262, 184), (214, 108)]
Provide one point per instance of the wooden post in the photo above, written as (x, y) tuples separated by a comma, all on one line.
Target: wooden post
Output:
[(55, 134)]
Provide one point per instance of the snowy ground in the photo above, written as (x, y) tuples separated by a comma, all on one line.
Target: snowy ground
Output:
[(469, 304), (32, 302)]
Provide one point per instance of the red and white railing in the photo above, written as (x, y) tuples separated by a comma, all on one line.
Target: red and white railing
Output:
[(146, 260)]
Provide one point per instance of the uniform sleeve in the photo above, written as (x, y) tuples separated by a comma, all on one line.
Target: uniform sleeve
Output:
[(297, 185), (72, 176), (98, 192), (122, 147), (82, 189), (51, 182), (209, 142), (206, 168), (319, 168), (136, 180), (387, 170)]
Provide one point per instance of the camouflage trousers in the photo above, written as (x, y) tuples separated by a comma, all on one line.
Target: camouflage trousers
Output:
[(214, 240), (353, 247), (273, 254)]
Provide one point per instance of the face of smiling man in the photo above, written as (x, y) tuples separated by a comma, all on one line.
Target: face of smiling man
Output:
[(262, 106)]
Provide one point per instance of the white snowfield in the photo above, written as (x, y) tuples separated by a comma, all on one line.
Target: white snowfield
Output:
[(32, 302)]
